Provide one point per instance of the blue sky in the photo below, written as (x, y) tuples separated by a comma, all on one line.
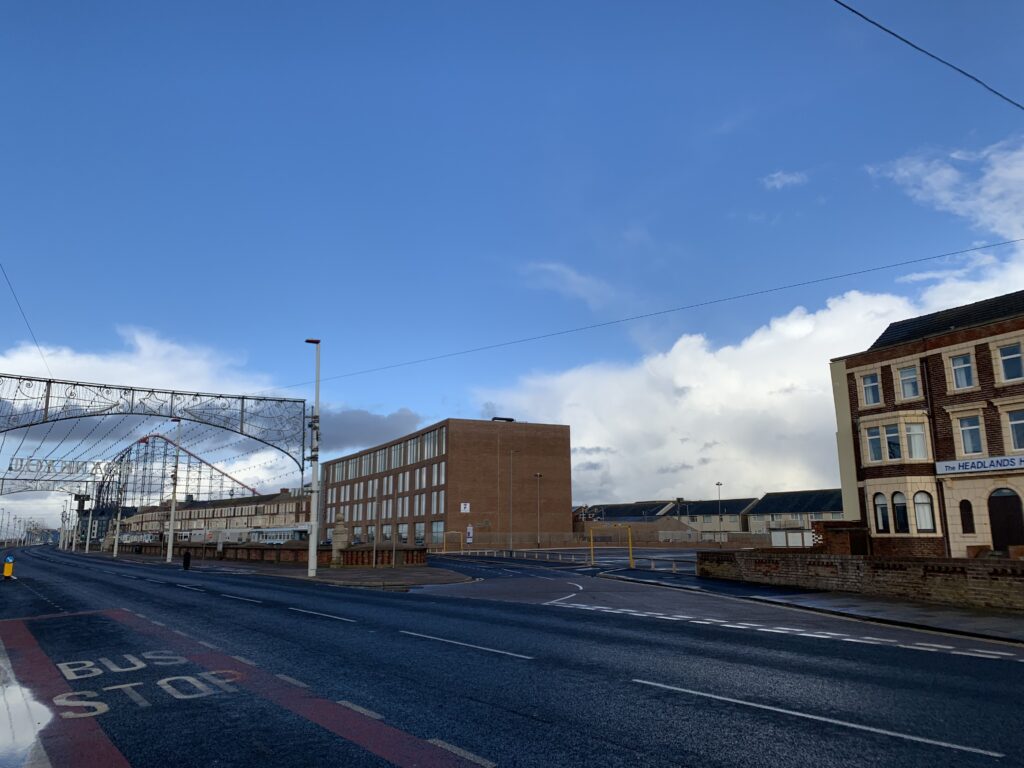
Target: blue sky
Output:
[(409, 179)]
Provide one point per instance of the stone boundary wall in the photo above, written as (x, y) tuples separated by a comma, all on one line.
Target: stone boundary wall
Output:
[(965, 583), (264, 553)]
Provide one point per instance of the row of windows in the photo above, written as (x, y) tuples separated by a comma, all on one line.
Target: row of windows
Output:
[(962, 370), (410, 480), (419, 532), (888, 443), (924, 513), (418, 505), (423, 447)]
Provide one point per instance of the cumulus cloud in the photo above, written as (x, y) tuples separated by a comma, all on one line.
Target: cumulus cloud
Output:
[(565, 280), (783, 179), (764, 404), (348, 429)]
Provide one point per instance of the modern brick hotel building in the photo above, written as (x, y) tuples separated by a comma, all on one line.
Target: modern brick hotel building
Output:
[(457, 483), (931, 432)]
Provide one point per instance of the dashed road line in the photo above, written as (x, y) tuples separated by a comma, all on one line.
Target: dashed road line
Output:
[(316, 613), (936, 645), (820, 719), (244, 660), (361, 710), (560, 599), (467, 645), (236, 597), (463, 753), (211, 646), (292, 680), (186, 586)]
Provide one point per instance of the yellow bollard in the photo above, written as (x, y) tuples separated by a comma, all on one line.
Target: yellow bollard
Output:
[(9, 567)]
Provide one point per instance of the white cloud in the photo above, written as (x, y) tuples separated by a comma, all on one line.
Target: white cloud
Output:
[(782, 179), (767, 399), (567, 281)]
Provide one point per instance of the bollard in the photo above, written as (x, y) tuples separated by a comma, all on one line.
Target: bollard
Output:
[(673, 566), (9, 567), (652, 565)]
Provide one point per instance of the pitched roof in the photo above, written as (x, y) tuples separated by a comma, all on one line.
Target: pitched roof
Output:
[(967, 316), (827, 500)]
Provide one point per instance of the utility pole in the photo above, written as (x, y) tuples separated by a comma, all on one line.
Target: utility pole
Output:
[(719, 511), (314, 457), (174, 489)]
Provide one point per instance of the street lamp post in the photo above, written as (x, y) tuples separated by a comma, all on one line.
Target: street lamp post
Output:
[(719, 511), (538, 475), (174, 489), (314, 457)]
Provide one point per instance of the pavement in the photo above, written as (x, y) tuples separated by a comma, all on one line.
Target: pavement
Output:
[(370, 578), (108, 663)]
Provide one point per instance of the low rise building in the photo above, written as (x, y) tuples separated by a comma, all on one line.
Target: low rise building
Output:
[(930, 424), (787, 515), (459, 483)]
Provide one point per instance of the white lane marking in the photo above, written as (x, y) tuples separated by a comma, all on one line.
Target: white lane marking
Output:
[(186, 586), (179, 632), (244, 660), (156, 581), (698, 621), (236, 597), (140, 615), (211, 646), (546, 578), (736, 626), (918, 648), (124, 576), (292, 680), (855, 640), (578, 586), (361, 710), (750, 623), (776, 631), (467, 645), (158, 623), (463, 753), (834, 634), (820, 719), (676, 618), (936, 645), (994, 653), (317, 613), (789, 629), (880, 639), (560, 599)]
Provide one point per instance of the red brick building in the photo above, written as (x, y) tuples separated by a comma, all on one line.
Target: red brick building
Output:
[(457, 484), (931, 431)]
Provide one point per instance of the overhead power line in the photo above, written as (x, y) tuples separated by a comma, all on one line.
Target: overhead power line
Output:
[(930, 55), (658, 313), (25, 318)]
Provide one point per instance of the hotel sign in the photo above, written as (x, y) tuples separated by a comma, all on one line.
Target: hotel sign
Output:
[(993, 464)]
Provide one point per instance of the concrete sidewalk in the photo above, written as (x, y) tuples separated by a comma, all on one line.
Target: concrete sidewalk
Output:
[(371, 578), (990, 625)]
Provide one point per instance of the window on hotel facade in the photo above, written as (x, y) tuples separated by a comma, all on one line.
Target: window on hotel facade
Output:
[(916, 446), (420, 534), (412, 450), (357, 535), (437, 531), (1017, 429), (970, 434), (371, 533), (403, 533), (439, 510), (909, 387), (1009, 357), (892, 441), (923, 512), (396, 456), (874, 444), (901, 523), (872, 391), (966, 516), (963, 371), (385, 532), (430, 445)]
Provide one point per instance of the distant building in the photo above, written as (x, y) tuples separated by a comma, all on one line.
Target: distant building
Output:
[(787, 515), (931, 431), (456, 484)]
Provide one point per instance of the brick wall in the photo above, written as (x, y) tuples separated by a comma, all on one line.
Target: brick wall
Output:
[(908, 546), (965, 583)]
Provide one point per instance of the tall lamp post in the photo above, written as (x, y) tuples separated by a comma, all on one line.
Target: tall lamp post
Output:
[(538, 475), (174, 489), (314, 457), (719, 511)]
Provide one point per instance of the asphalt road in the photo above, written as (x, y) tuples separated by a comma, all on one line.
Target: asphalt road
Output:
[(146, 665)]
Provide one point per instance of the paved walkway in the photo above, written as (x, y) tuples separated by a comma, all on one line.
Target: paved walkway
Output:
[(378, 578), (999, 625)]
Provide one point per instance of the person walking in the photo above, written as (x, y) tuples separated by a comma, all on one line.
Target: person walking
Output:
[(186, 560)]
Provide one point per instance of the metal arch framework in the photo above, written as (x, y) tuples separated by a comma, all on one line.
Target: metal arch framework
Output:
[(9, 485), (277, 422)]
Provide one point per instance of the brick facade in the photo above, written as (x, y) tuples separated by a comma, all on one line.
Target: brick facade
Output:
[(939, 407)]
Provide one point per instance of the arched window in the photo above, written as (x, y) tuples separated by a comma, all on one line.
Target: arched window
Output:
[(923, 512), (901, 523), (881, 513), (966, 516)]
